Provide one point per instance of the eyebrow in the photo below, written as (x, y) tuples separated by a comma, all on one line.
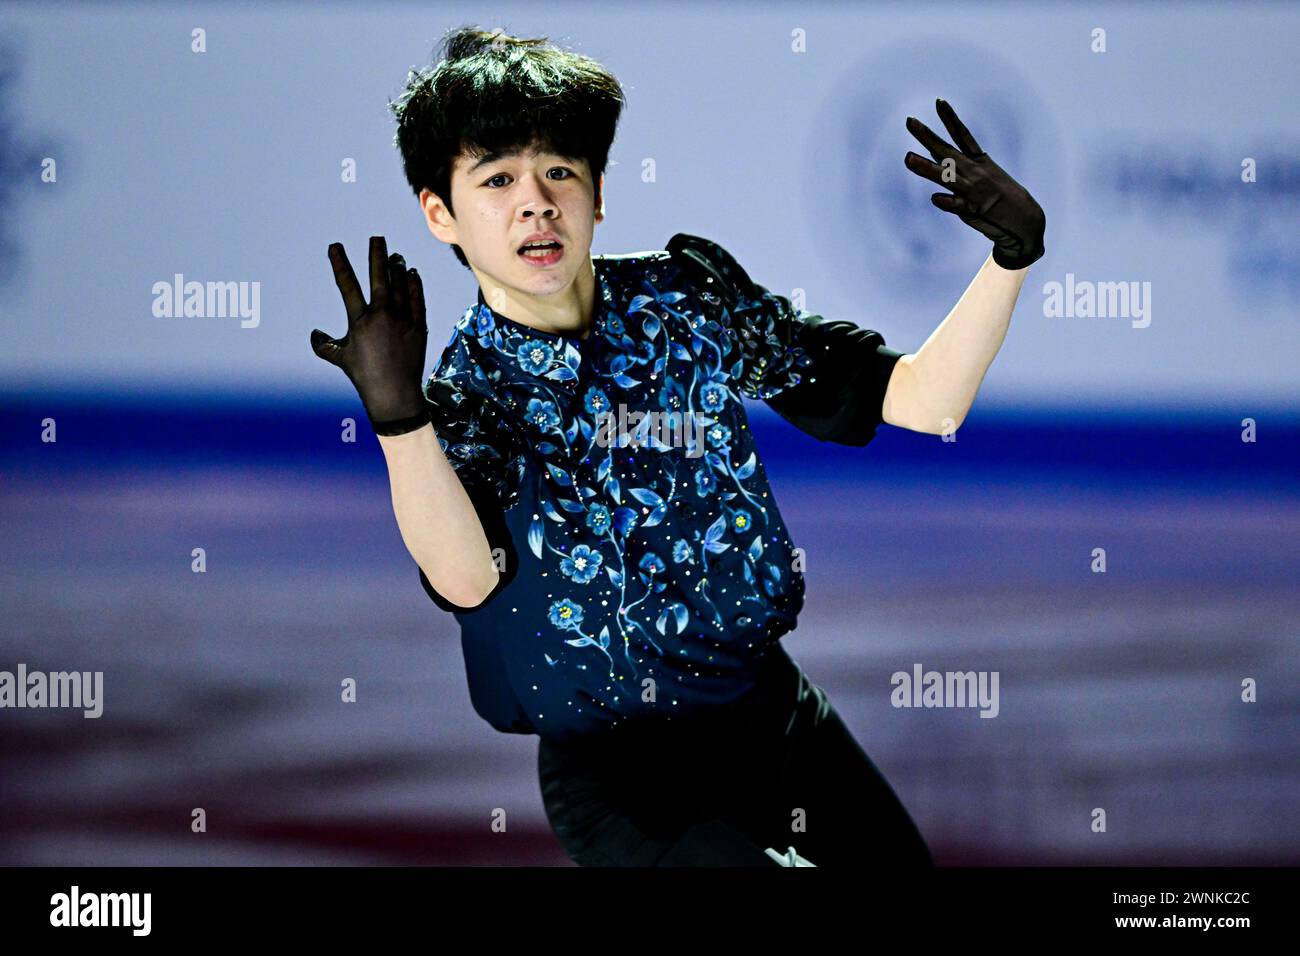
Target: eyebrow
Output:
[(492, 157)]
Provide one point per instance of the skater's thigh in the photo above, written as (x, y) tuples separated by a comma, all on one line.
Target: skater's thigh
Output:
[(829, 787), (615, 817)]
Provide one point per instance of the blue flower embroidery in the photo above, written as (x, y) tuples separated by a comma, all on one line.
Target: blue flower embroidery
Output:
[(596, 401), (672, 397), (535, 356), (566, 615), (598, 519), (543, 415), (581, 564), (713, 396)]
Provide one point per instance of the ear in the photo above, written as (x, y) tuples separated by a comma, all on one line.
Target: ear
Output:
[(600, 199), (437, 217)]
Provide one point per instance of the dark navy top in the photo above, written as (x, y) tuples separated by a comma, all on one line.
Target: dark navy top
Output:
[(642, 582)]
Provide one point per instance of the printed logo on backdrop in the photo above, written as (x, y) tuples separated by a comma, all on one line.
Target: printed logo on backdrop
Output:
[(1243, 196), (881, 232), (24, 165)]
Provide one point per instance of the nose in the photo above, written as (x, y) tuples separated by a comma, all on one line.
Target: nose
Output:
[(540, 204), (545, 209)]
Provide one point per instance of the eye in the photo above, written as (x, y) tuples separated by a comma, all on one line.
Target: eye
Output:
[(564, 169)]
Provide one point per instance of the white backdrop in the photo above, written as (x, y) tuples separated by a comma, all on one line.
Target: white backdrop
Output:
[(225, 166)]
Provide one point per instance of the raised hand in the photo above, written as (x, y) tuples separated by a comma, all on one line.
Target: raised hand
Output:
[(987, 198), (383, 351)]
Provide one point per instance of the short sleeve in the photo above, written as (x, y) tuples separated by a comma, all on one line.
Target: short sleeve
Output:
[(826, 377), (487, 457)]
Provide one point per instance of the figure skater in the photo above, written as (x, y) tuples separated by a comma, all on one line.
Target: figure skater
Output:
[(623, 595)]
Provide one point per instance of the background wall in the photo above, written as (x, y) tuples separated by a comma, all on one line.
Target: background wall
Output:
[(1119, 690)]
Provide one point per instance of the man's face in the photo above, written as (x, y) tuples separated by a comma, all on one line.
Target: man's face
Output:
[(503, 201)]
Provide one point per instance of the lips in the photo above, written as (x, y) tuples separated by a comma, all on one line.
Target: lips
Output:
[(542, 258), (540, 237)]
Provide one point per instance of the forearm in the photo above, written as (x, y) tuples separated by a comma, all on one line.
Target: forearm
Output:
[(436, 518), (940, 380)]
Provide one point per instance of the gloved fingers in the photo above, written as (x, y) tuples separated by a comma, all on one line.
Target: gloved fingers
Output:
[(957, 130), (954, 204), (417, 300), (399, 293), (938, 148), (934, 172), (378, 271), (325, 347), (346, 280)]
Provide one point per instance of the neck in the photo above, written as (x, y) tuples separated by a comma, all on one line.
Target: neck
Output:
[(569, 313)]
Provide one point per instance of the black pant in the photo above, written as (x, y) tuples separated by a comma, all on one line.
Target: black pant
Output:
[(776, 769)]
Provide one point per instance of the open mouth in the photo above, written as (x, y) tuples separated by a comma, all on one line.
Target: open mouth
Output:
[(541, 253), (539, 249)]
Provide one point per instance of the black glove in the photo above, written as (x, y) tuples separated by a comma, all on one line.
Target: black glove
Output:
[(383, 350), (987, 198)]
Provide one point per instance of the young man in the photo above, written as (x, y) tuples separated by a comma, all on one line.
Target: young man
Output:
[(622, 590)]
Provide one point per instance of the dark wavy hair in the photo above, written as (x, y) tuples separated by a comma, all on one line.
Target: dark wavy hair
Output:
[(490, 92)]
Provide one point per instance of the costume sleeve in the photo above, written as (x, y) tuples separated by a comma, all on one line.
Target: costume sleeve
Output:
[(826, 377), (487, 458)]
